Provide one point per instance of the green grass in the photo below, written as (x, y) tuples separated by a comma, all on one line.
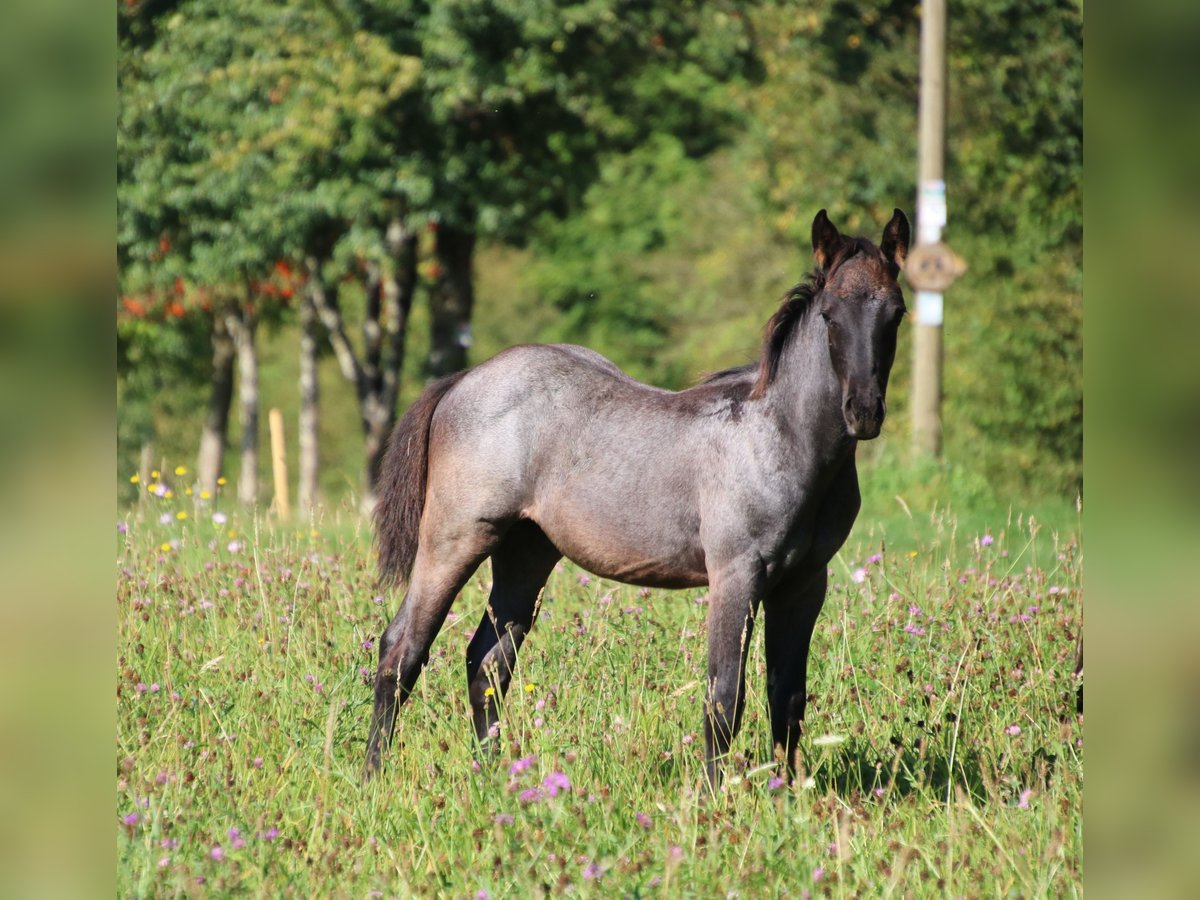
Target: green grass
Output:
[(243, 702)]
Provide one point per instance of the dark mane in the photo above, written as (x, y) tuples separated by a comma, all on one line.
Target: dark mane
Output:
[(782, 326), (795, 306)]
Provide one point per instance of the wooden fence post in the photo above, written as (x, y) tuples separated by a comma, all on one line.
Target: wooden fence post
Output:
[(279, 465)]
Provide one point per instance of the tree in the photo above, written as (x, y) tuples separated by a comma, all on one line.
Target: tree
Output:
[(249, 134), (519, 104)]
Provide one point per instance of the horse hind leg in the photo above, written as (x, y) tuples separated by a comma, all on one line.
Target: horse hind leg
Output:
[(520, 566), (441, 569)]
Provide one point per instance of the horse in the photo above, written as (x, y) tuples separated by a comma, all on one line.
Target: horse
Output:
[(745, 483)]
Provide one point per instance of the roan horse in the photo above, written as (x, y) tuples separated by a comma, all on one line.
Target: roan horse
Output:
[(745, 483)]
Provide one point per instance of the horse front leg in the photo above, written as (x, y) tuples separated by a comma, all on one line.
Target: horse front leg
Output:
[(732, 601), (791, 610)]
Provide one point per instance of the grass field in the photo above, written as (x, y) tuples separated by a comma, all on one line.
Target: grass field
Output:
[(942, 751)]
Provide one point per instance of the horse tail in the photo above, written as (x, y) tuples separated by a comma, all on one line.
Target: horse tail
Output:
[(403, 481)]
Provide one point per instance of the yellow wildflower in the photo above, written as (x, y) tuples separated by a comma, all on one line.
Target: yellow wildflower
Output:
[(169, 494), (181, 515), (181, 470), (165, 548), (134, 478), (489, 692), (154, 474), (205, 495), (221, 480), (188, 492), (529, 688)]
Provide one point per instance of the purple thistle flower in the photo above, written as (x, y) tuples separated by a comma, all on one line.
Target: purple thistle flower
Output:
[(555, 782), (130, 818), (219, 518), (165, 519), (818, 873), (481, 894), (859, 575), (236, 841), (271, 833), (217, 853), (1013, 730), (122, 527), (1023, 803), (987, 540), (776, 783), (522, 764), (164, 862), (592, 871), (644, 820), (874, 559), (503, 819), (532, 795)]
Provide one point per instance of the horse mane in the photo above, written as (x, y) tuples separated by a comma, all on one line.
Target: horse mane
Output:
[(795, 307), (781, 326)]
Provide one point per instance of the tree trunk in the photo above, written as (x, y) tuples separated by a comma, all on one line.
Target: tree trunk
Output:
[(376, 376), (451, 302), (212, 437), (309, 396), (396, 299), (245, 331)]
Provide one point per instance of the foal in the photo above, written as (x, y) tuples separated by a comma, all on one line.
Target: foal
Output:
[(745, 483)]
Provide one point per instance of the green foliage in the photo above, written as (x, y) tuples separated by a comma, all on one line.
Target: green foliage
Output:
[(243, 145), (688, 260), (521, 102), (520, 112), (596, 268)]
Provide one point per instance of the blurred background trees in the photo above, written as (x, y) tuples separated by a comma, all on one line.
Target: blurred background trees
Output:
[(455, 178)]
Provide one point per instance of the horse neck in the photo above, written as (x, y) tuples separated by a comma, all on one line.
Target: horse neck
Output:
[(806, 394)]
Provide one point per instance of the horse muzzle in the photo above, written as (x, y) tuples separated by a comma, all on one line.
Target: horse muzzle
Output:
[(864, 414)]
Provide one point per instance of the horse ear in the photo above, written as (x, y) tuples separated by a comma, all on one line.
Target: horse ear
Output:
[(825, 240), (895, 241)]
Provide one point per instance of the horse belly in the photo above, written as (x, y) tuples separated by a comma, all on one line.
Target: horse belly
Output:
[(664, 553)]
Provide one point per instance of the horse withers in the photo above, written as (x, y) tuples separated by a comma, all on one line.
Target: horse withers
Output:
[(745, 483)]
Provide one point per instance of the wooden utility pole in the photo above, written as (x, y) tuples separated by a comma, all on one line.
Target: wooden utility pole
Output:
[(932, 266)]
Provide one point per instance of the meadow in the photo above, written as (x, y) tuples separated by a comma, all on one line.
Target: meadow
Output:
[(943, 754)]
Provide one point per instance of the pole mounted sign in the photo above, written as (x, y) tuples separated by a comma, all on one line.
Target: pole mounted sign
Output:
[(933, 267)]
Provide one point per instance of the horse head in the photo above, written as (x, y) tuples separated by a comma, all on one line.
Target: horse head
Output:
[(862, 306)]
